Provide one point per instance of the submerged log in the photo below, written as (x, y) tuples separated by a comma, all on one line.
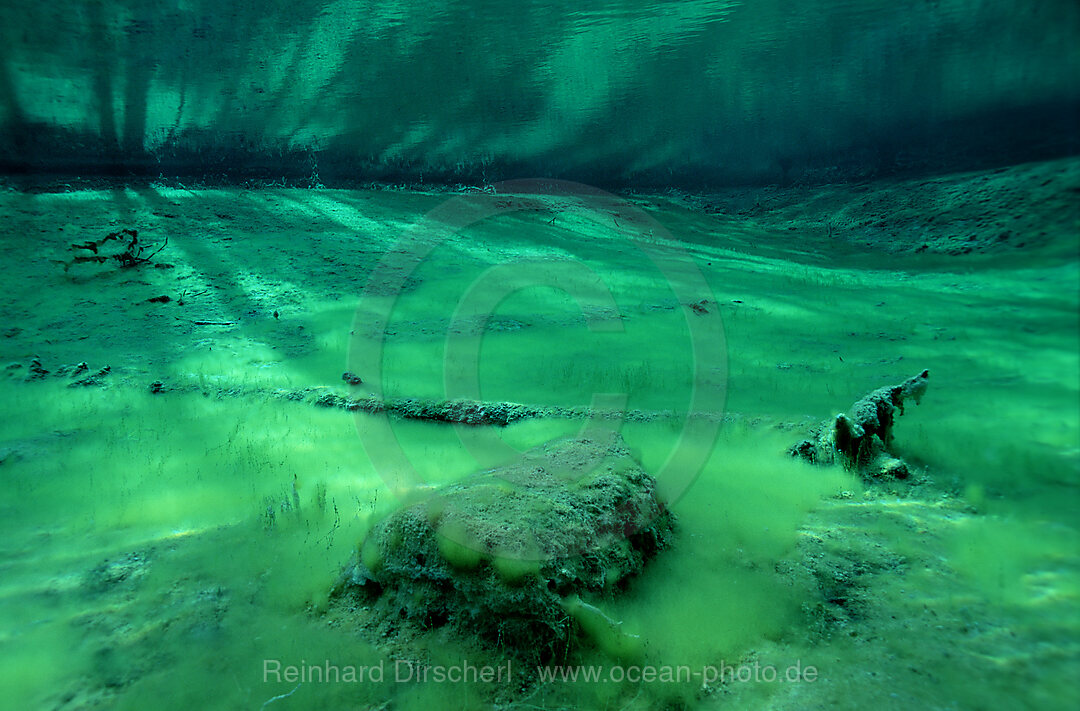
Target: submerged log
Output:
[(861, 439)]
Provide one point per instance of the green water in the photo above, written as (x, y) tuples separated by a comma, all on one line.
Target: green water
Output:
[(814, 200), (157, 548)]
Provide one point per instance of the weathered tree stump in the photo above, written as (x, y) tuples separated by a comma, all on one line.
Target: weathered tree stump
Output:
[(860, 440)]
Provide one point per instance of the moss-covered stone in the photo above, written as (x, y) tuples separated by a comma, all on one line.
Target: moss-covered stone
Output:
[(501, 555)]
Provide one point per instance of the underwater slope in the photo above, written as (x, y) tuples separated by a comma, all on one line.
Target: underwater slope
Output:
[(164, 540)]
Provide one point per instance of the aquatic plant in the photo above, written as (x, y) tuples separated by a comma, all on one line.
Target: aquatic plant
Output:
[(127, 250)]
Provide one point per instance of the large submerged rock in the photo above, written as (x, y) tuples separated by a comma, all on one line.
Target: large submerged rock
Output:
[(518, 556)]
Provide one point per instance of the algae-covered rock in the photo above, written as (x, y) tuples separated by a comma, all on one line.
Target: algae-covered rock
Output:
[(505, 554), (77, 375), (860, 439)]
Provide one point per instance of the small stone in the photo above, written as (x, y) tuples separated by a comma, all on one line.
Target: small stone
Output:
[(71, 371), (37, 371)]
